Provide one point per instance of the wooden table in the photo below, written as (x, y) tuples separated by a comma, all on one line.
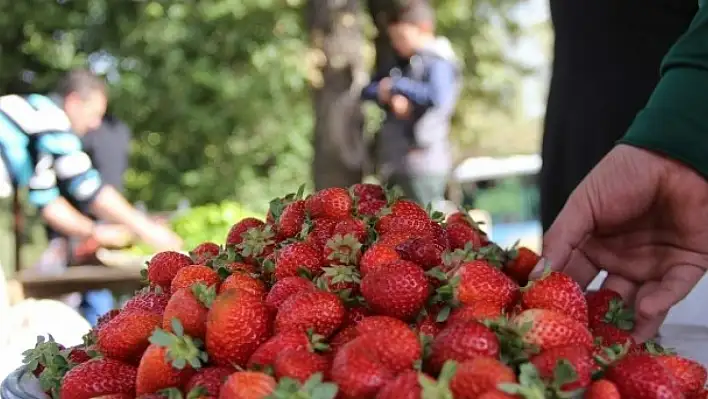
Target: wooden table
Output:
[(80, 279)]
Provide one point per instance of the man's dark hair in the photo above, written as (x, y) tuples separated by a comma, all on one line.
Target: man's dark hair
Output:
[(81, 81), (418, 13)]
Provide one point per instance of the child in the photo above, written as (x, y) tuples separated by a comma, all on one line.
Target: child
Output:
[(413, 148)]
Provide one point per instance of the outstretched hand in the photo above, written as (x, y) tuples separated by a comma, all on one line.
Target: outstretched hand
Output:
[(644, 219)]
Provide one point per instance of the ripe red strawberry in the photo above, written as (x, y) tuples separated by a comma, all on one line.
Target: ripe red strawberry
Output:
[(479, 375), (689, 375), (204, 252), (319, 311), (77, 355), (341, 280), (356, 314), (290, 222), (609, 335), (284, 288), (370, 207), (642, 376), (256, 243), (247, 385), (421, 251), (189, 275), (397, 289), (296, 258), (321, 230), (393, 343), (342, 251), (550, 329), (404, 216), (376, 256), (439, 235), (495, 394), (245, 283), (209, 380), (332, 203), (98, 377), (603, 389), (463, 341), (606, 306), (579, 360), (702, 394), (233, 267), (427, 322), (163, 267), (405, 386), (559, 292), (479, 281), (110, 315), (146, 300), (394, 238), (520, 262), (159, 369), (266, 354), (460, 235), (300, 365), (353, 226), (343, 337), (478, 311), (357, 372), (235, 235), (366, 191), (190, 306), (126, 336), (236, 325)]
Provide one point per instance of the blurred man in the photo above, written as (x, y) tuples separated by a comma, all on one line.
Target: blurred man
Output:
[(41, 149)]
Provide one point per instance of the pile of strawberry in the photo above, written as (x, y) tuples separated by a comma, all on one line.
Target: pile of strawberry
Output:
[(361, 294)]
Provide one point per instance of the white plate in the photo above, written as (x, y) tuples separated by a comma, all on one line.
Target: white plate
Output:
[(21, 385)]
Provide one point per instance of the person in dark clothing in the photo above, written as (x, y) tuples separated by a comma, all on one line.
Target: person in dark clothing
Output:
[(419, 96), (606, 64)]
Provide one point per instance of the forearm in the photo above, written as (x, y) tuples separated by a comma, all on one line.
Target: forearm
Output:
[(675, 121), (64, 218), (370, 92), (110, 205)]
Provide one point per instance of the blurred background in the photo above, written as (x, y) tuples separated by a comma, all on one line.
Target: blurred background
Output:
[(218, 95)]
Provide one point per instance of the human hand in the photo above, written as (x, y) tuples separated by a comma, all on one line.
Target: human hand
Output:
[(161, 238), (384, 93), (644, 219), (112, 235), (401, 107)]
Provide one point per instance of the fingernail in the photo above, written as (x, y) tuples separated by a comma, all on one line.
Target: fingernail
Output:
[(538, 269)]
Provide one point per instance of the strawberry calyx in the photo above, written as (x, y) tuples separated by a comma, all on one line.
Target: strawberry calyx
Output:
[(434, 215), (203, 293), (345, 250), (513, 349), (318, 343), (173, 393), (530, 385), (653, 348), (256, 240), (182, 350), (221, 262), (313, 388), (277, 205), (564, 373), (439, 388), (197, 392), (546, 272), (610, 355), (619, 315), (340, 280), (48, 363)]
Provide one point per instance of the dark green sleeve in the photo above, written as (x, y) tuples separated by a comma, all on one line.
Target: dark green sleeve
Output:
[(675, 120)]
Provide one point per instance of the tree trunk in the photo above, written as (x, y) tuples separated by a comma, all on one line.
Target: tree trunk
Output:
[(337, 78)]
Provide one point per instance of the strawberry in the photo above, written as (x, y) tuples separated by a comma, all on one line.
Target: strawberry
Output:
[(439, 236), (366, 191), (605, 306), (479, 311), (397, 289), (376, 256), (356, 314), (519, 264), (702, 394), (300, 365), (319, 311), (108, 316), (463, 341), (332, 203), (296, 258), (427, 322), (209, 380), (148, 300), (421, 251), (559, 292), (169, 361), (460, 235), (689, 375), (163, 267), (126, 336), (479, 281), (189, 275), (190, 306), (405, 386), (404, 216), (246, 283), (602, 389), (247, 385), (77, 355), (321, 230), (284, 288), (608, 335), (266, 353), (548, 329), (204, 252), (291, 220), (342, 280), (237, 324), (370, 207), (234, 267), (342, 250), (495, 394), (256, 243), (236, 232), (568, 367), (357, 371), (353, 226), (394, 238), (642, 376), (393, 343), (98, 377), (479, 375)]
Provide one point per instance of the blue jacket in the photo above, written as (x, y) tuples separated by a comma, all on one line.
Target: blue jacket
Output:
[(420, 145)]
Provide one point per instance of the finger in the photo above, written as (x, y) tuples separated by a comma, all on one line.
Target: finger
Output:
[(646, 327), (626, 288), (673, 287), (580, 269)]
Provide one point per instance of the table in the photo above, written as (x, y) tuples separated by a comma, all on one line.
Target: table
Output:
[(80, 279)]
